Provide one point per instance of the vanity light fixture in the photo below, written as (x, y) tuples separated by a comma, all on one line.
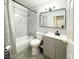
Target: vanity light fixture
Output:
[(50, 9)]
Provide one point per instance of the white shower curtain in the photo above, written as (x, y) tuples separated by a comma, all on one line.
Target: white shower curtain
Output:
[(9, 38)]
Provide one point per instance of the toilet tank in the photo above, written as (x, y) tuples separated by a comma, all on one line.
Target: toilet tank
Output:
[(39, 35)]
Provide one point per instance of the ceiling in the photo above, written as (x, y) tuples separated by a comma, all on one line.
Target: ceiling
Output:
[(33, 3)]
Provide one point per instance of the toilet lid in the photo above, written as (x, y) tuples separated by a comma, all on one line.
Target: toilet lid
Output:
[(35, 41)]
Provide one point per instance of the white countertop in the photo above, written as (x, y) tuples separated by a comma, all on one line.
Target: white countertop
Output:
[(61, 37), (52, 35)]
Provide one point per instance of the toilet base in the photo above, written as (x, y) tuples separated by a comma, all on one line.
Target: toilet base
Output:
[(35, 51)]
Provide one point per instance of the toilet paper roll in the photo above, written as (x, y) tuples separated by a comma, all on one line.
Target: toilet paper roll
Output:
[(7, 47)]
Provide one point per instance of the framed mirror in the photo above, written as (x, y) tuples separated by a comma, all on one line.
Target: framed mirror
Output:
[(53, 19)]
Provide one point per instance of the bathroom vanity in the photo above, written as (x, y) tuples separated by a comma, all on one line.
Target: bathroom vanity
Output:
[(54, 47)]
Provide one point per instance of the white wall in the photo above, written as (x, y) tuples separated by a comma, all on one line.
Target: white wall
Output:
[(20, 20), (70, 49), (70, 25), (70, 30), (58, 4), (31, 22)]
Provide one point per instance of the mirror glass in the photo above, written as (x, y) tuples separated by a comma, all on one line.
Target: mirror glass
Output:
[(55, 18)]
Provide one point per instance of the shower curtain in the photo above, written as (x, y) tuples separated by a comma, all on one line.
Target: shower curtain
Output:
[(9, 37)]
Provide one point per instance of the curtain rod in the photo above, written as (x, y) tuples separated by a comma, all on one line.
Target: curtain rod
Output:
[(24, 6)]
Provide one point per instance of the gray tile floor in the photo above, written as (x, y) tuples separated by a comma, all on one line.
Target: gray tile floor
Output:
[(27, 55)]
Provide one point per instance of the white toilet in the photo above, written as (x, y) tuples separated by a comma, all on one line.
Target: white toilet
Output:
[(35, 43)]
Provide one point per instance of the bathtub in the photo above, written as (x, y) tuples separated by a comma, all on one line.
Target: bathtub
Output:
[(22, 43)]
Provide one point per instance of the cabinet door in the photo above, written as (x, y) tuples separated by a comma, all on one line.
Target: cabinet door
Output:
[(52, 52), (49, 51), (60, 53), (60, 43), (49, 47), (46, 46)]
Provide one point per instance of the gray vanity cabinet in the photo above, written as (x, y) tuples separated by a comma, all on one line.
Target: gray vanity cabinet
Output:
[(54, 48)]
